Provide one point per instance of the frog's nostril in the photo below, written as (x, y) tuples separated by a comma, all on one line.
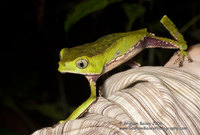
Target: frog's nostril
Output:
[(61, 64)]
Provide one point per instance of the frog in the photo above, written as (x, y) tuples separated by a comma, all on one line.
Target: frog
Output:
[(108, 52)]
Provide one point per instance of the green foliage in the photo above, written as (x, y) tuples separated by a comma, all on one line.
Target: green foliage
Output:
[(133, 12), (83, 9), (10, 103), (5, 131), (195, 34), (190, 23), (52, 111)]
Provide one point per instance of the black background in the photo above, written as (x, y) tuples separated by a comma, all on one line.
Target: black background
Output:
[(32, 36)]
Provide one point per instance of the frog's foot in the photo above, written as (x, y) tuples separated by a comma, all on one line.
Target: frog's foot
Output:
[(182, 54)]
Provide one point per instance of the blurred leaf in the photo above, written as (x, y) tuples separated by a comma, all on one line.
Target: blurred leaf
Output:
[(133, 11), (10, 103), (6, 131), (196, 34), (190, 23), (21, 84), (50, 110), (83, 9)]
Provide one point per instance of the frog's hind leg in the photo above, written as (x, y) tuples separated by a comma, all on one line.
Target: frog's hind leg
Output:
[(151, 41)]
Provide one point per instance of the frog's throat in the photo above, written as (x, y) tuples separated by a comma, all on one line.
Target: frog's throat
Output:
[(92, 78)]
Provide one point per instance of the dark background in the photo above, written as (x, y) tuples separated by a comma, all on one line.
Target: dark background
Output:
[(33, 93)]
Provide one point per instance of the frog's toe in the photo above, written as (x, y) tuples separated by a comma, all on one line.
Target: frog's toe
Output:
[(181, 57)]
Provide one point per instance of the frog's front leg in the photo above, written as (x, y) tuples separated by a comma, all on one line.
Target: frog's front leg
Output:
[(83, 108)]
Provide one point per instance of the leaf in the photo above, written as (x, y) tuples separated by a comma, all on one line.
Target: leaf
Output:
[(133, 11), (7, 131), (50, 110), (9, 102), (190, 23), (195, 34), (83, 9)]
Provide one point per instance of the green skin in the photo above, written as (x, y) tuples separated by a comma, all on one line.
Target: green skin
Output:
[(96, 58)]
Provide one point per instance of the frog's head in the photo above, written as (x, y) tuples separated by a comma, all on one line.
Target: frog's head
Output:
[(80, 61)]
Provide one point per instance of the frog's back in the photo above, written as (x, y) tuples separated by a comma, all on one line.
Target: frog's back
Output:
[(101, 45)]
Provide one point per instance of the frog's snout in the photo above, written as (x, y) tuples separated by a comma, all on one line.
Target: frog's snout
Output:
[(61, 66)]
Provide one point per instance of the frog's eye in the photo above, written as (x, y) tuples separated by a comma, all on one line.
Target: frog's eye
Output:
[(82, 63)]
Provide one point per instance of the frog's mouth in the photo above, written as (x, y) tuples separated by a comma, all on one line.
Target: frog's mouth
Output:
[(89, 76), (86, 74)]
